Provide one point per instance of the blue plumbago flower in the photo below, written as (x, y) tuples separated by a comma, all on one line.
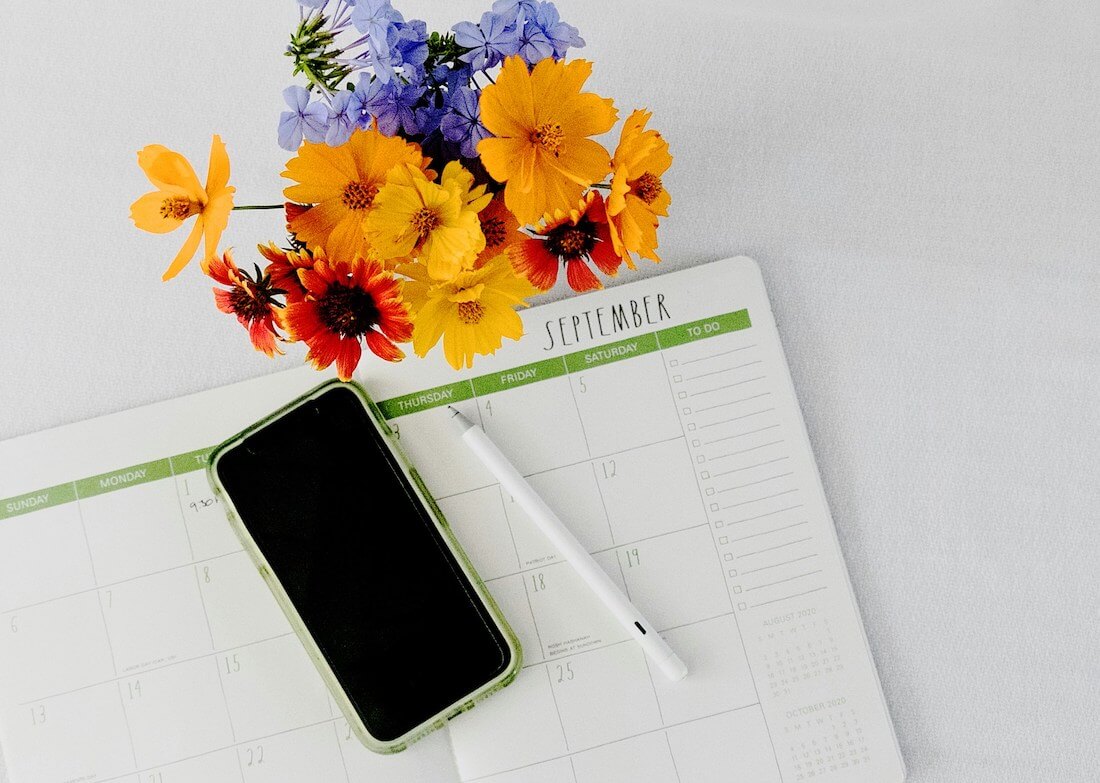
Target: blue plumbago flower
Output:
[(428, 118), (392, 105), (341, 119), (462, 122), (412, 44), (561, 35), (377, 20), (304, 119), (534, 45), (510, 9), (491, 40)]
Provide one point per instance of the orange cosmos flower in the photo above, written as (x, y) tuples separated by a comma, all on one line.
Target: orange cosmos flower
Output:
[(346, 303), (179, 196), (283, 268), (250, 297), (570, 238), (637, 194), (341, 182), (500, 228), (542, 121)]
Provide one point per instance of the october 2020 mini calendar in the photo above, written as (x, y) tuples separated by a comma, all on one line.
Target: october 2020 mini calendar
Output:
[(657, 418)]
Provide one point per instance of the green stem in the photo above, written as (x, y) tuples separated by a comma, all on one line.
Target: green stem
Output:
[(602, 185), (260, 206)]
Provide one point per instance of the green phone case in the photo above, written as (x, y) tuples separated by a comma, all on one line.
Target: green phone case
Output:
[(272, 579)]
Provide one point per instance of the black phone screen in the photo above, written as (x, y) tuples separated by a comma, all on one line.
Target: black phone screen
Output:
[(363, 563)]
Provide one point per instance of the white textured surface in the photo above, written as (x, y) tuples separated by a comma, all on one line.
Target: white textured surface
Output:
[(919, 181)]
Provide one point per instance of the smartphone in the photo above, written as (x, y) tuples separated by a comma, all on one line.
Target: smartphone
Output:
[(363, 563)]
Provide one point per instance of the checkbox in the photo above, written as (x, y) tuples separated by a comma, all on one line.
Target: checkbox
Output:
[(713, 506), (691, 427), (687, 411), (742, 606), (677, 378), (695, 443), (709, 490), (733, 572), (737, 588), (723, 539), (705, 474), (727, 556), (682, 395), (719, 523), (674, 363), (700, 459)]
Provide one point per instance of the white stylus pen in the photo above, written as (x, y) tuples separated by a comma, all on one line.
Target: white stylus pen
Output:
[(568, 545)]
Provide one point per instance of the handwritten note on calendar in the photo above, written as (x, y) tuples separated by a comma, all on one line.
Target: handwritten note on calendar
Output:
[(658, 418)]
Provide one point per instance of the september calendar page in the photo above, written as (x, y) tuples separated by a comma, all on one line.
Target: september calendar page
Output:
[(657, 418)]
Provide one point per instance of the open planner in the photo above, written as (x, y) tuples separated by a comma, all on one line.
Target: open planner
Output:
[(139, 644)]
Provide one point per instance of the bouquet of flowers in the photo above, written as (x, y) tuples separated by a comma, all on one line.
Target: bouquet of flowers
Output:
[(438, 182)]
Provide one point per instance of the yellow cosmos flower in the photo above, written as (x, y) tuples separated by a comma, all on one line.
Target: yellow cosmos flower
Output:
[(179, 196), (638, 195), (342, 182), (541, 122), (472, 313), (435, 223)]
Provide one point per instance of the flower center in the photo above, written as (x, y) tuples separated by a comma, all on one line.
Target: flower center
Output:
[(358, 195), (494, 231), (248, 306), (647, 187), (424, 221), (549, 136), (572, 241), (178, 208), (470, 313), (347, 311)]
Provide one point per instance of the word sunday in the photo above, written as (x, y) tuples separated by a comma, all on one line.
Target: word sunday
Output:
[(605, 321)]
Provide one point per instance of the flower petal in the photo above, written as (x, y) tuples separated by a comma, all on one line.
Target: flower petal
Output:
[(166, 168), (187, 252), (531, 259), (217, 172), (216, 217), (382, 347)]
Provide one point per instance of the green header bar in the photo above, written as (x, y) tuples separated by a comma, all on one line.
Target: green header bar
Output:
[(423, 400), (606, 354), (519, 376), (128, 477), (35, 501), (708, 327), (190, 462)]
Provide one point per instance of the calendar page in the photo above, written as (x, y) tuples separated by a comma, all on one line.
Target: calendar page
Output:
[(657, 418)]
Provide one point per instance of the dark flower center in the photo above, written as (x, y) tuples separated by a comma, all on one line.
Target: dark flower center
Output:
[(424, 221), (178, 208), (347, 311), (470, 312), (647, 187), (494, 232), (549, 136), (569, 241), (358, 195), (248, 305)]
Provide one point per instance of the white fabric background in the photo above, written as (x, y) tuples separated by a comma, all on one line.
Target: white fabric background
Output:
[(919, 181)]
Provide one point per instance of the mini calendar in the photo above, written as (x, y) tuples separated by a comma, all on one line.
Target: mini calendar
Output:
[(138, 643)]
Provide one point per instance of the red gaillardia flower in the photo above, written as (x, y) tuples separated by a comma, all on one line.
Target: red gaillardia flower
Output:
[(345, 303), (572, 239), (252, 298)]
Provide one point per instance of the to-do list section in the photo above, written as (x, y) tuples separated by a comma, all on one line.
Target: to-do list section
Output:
[(658, 419)]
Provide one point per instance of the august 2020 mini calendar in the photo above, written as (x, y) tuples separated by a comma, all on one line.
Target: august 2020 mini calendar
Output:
[(138, 644)]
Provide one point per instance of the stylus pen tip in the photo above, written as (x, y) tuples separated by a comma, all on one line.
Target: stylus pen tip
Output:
[(461, 422)]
